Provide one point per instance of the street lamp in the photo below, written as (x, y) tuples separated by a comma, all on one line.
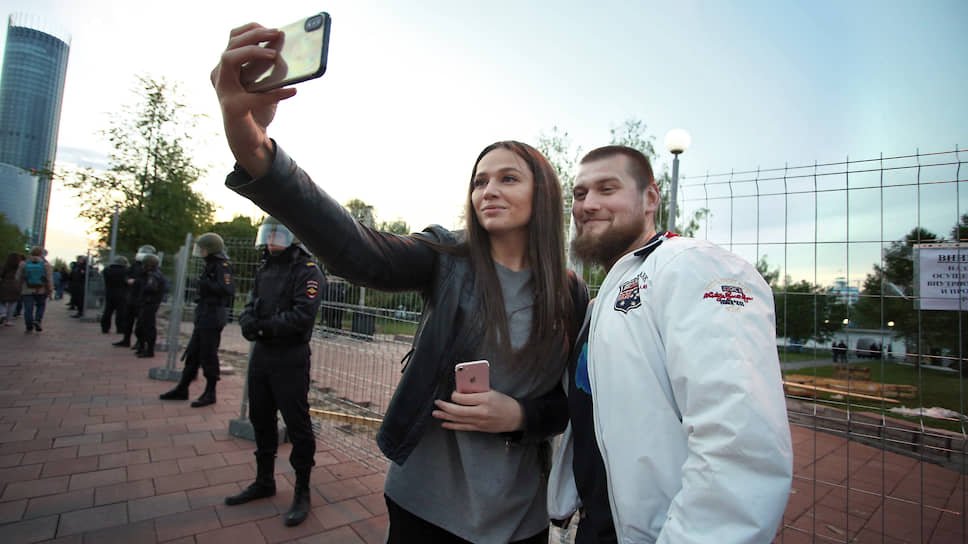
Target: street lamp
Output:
[(677, 140)]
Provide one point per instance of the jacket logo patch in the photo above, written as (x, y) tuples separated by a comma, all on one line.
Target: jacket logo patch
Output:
[(228, 279), (729, 293), (312, 288), (628, 296)]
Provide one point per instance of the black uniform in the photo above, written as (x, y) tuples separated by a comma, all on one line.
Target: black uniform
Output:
[(154, 289), (78, 278), (115, 292), (279, 318), (216, 287), (132, 303)]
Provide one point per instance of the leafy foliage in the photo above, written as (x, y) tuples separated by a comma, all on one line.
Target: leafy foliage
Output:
[(12, 239), (807, 311), (397, 226), (888, 296), (150, 174), (362, 211), (241, 227)]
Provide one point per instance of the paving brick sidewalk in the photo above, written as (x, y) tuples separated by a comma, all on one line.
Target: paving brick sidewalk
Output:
[(89, 454)]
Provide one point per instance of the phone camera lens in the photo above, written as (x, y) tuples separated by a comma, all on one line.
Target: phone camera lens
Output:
[(314, 22)]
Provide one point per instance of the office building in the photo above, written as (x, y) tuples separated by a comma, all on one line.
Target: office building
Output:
[(31, 92)]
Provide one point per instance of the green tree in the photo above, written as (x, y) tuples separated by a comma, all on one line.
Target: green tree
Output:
[(12, 239), (959, 233), (241, 227), (806, 311), (632, 133), (769, 276), (362, 211), (557, 148), (150, 173), (397, 226), (888, 297)]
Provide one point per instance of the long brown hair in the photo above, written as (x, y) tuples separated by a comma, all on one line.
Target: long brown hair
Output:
[(11, 265), (552, 309)]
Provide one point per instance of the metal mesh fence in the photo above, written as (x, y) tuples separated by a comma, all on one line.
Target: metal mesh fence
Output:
[(862, 254), (873, 370)]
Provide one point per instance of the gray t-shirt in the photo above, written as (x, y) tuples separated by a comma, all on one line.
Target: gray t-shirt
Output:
[(474, 484)]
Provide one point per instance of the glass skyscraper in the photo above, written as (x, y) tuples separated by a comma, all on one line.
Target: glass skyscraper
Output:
[(31, 91)]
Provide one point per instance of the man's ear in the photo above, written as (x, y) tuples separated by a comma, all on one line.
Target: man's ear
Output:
[(651, 199)]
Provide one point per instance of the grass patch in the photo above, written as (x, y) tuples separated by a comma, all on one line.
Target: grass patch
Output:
[(797, 356), (935, 389)]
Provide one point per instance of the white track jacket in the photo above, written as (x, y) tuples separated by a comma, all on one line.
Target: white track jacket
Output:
[(689, 410)]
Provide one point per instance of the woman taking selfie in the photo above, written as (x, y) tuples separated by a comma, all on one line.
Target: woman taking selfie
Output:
[(466, 467)]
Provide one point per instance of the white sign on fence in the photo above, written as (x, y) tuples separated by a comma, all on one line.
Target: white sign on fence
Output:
[(943, 276)]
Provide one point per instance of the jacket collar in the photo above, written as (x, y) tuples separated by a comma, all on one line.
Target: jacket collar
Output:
[(653, 243)]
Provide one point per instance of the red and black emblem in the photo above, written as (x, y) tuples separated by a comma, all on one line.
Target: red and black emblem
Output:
[(312, 288), (729, 293), (628, 296)]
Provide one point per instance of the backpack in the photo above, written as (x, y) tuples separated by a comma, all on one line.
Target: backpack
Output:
[(34, 274)]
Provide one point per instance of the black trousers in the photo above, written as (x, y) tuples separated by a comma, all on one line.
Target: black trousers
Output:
[(406, 527), (202, 352), (282, 385), (129, 317), (113, 305), (147, 324)]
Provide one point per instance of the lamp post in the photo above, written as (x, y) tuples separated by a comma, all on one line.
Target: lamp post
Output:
[(677, 140)]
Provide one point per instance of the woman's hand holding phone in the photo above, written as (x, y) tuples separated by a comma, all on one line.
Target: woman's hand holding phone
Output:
[(246, 115), (488, 412)]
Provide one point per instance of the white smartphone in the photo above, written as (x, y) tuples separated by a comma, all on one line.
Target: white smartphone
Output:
[(302, 49), (473, 377)]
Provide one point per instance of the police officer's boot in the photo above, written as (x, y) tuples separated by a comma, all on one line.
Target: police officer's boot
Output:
[(148, 351), (123, 343), (180, 392), (263, 486), (139, 345), (208, 397), (300, 499)]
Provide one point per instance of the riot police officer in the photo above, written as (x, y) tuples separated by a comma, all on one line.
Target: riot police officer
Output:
[(115, 293), (132, 305), (154, 289), (279, 318), (216, 287)]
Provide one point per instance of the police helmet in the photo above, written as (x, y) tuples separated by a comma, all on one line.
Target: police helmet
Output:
[(122, 260), (275, 234), (208, 244), (145, 250), (151, 262)]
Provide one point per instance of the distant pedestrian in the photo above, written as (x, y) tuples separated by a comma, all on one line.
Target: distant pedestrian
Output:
[(58, 277), (9, 289), (37, 285)]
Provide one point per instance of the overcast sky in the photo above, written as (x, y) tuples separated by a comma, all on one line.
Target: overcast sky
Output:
[(414, 90)]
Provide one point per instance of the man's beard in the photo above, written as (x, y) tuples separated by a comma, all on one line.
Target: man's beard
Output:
[(607, 247)]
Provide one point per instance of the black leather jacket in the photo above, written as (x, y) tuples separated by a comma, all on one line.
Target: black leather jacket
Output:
[(450, 327), (216, 287)]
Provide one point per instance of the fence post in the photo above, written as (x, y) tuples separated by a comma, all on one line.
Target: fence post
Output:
[(89, 304), (169, 372), (242, 427)]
